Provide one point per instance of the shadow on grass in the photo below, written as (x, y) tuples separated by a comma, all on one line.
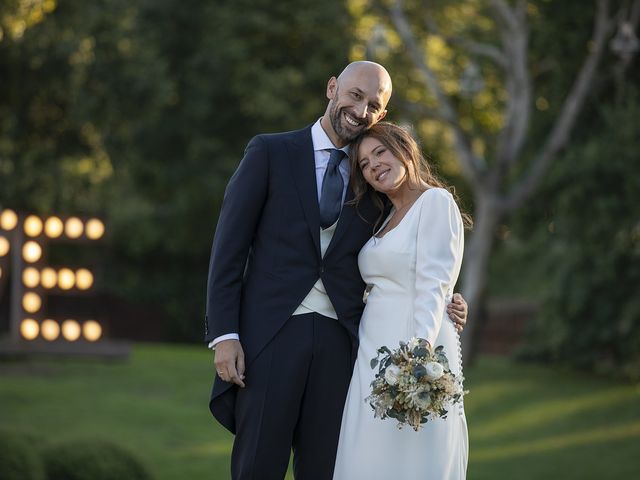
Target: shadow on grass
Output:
[(536, 414), (553, 443)]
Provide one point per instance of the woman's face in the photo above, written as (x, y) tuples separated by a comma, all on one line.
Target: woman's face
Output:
[(380, 168)]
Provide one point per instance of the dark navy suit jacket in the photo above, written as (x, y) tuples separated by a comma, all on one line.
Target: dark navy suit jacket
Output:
[(266, 252)]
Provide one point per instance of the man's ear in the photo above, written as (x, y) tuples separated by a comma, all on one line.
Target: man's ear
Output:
[(332, 87), (382, 115)]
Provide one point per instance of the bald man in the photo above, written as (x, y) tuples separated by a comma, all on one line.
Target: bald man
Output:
[(284, 294)]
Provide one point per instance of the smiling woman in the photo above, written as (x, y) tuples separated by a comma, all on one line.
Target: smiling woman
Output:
[(410, 276), (380, 168), (386, 163)]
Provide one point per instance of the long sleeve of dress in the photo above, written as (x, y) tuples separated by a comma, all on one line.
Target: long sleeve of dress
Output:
[(438, 259)]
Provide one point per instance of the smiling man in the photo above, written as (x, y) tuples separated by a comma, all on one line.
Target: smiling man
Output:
[(284, 294), (358, 98)]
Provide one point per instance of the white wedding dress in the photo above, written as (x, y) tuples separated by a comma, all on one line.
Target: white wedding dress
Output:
[(411, 272)]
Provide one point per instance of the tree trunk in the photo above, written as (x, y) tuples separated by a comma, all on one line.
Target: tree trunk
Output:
[(474, 270)]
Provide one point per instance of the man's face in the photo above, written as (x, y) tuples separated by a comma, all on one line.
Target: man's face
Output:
[(356, 104)]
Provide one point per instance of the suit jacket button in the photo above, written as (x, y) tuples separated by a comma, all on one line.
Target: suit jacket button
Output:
[(321, 270)]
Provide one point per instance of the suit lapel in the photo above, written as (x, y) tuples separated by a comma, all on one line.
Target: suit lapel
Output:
[(303, 166)]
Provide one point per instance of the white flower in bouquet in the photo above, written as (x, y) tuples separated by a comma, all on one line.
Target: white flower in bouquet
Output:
[(421, 399), (434, 370), (392, 374)]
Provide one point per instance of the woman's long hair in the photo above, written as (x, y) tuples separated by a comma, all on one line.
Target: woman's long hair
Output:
[(402, 145)]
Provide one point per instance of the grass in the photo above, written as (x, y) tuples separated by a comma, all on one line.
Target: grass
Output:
[(528, 422), (525, 422)]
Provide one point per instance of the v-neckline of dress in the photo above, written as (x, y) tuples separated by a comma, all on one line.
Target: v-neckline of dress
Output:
[(401, 220)]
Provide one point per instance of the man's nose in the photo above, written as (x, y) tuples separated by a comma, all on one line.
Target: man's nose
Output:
[(361, 110)]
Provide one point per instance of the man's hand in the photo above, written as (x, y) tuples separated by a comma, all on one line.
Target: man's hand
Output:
[(457, 311), (229, 361)]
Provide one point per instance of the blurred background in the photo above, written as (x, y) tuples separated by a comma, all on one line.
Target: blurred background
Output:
[(135, 114)]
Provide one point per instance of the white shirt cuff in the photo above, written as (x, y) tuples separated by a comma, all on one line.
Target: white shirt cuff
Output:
[(228, 336)]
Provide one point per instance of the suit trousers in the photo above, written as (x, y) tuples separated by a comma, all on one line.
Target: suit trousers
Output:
[(293, 399)]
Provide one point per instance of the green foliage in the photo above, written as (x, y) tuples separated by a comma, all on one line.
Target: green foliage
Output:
[(18, 458), (140, 112), (92, 460), (19, 15), (590, 312)]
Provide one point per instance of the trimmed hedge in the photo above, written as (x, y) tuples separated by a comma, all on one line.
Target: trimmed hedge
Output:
[(92, 460), (19, 460)]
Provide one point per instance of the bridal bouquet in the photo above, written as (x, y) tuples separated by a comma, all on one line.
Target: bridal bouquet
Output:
[(413, 384)]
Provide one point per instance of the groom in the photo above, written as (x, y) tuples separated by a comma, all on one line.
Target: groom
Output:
[(284, 294)]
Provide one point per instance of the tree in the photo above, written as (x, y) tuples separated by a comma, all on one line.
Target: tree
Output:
[(500, 163), (591, 233), (19, 15), (140, 112)]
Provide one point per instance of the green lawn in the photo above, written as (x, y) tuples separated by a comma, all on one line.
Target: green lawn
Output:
[(525, 422)]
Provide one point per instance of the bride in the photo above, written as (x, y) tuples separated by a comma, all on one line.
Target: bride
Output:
[(410, 265)]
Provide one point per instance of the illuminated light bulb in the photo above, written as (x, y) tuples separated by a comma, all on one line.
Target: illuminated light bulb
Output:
[(29, 329), (31, 302), (53, 227), (30, 277), (84, 279), (66, 279), (32, 226), (71, 330), (48, 277), (73, 227), (8, 220), (50, 330), (91, 330), (5, 246), (95, 229), (31, 251)]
